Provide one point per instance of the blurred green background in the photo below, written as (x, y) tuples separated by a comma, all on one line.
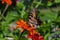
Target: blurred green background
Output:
[(48, 13)]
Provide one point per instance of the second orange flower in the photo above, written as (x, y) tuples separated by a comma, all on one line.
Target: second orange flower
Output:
[(9, 2)]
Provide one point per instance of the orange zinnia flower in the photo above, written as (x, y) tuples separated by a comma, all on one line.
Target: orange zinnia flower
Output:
[(25, 26), (21, 24), (36, 37), (9, 2), (31, 30)]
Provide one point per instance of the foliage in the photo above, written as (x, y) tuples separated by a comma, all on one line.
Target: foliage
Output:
[(49, 18)]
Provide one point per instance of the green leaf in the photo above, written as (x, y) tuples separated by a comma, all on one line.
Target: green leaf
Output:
[(46, 36), (20, 5), (49, 3), (57, 1), (11, 16)]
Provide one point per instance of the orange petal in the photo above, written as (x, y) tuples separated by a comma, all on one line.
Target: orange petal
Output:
[(9, 2)]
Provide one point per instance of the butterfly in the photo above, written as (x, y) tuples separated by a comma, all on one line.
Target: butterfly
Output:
[(33, 18)]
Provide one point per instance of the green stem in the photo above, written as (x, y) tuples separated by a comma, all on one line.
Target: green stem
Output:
[(21, 35), (5, 9)]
